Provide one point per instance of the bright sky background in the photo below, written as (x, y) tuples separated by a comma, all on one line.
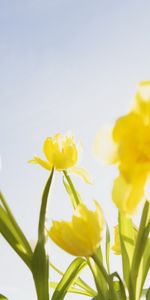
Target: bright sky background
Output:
[(64, 65)]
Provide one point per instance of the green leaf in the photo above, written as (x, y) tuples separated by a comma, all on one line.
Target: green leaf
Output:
[(145, 263), (144, 292), (2, 297), (120, 289), (40, 260), (126, 232), (148, 294), (139, 268), (12, 237), (111, 292), (68, 278), (107, 247), (78, 282), (23, 241), (71, 290), (100, 282)]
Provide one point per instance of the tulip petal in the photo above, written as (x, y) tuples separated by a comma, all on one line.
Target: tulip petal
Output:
[(41, 162), (104, 147), (82, 173)]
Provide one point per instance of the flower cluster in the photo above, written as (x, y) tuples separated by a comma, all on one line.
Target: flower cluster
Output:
[(127, 145)]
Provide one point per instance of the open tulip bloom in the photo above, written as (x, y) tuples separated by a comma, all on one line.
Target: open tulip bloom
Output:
[(127, 145)]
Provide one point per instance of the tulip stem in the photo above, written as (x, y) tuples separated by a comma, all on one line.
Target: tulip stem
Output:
[(74, 192), (40, 259), (105, 275), (42, 216)]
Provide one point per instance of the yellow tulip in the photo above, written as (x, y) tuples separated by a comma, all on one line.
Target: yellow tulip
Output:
[(81, 236), (117, 247), (61, 153), (129, 147)]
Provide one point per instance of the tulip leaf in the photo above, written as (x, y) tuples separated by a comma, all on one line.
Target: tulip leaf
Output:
[(144, 292), (23, 241), (126, 232), (11, 235), (145, 262), (119, 286), (78, 282), (148, 294), (73, 290), (140, 265), (111, 292), (2, 297), (69, 278), (107, 248), (100, 281), (40, 260)]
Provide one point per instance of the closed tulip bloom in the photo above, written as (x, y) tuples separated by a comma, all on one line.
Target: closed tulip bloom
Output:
[(81, 236), (130, 150)]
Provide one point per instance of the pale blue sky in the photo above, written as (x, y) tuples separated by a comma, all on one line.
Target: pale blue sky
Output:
[(64, 65)]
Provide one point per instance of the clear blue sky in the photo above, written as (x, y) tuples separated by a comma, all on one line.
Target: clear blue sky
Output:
[(64, 65)]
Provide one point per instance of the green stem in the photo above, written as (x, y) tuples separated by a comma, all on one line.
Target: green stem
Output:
[(106, 276), (96, 277), (40, 260), (74, 192), (41, 227)]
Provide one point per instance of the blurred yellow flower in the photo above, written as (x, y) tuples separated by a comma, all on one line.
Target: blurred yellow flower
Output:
[(81, 236), (117, 247), (129, 147)]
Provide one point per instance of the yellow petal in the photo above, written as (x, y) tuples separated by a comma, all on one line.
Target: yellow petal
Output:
[(82, 173), (142, 101), (50, 149), (104, 147), (41, 162)]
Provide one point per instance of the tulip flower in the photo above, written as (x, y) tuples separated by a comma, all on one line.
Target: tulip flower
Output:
[(128, 146), (61, 153), (81, 236)]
